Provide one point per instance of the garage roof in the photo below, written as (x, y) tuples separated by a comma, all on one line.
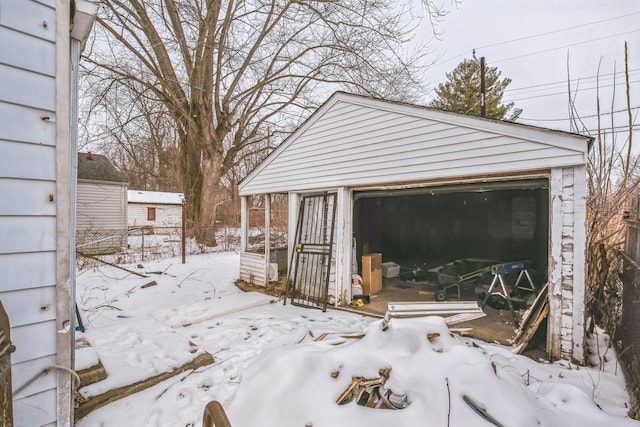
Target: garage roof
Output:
[(358, 141)]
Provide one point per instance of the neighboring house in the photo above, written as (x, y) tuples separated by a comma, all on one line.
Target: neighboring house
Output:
[(101, 206), (154, 209), (420, 185), (39, 56)]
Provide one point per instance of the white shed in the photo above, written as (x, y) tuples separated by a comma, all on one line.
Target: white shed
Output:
[(101, 206), (154, 209), (366, 176), (39, 56)]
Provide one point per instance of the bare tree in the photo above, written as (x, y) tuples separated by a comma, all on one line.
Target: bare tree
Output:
[(135, 131), (223, 72), (613, 181)]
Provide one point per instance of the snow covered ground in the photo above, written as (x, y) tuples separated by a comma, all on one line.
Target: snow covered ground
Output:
[(279, 365)]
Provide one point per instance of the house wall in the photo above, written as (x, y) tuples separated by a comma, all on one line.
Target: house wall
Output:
[(27, 215), (166, 215), (34, 66), (101, 212)]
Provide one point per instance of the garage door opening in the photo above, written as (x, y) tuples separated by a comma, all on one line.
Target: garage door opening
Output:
[(505, 221), (422, 229)]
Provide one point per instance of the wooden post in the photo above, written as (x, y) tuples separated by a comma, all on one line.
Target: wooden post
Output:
[(344, 245), (183, 241), (292, 222)]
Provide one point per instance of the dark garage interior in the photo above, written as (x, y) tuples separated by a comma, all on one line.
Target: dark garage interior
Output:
[(426, 227)]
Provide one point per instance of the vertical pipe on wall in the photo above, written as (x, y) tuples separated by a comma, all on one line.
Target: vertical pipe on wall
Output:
[(244, 219), (183, 246), (64, 308), (267, 236)]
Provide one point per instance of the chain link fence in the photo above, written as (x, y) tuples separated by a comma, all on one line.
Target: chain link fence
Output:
[(140, 244), (627, 332)]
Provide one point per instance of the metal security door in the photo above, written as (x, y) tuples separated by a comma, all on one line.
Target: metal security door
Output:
[(309, 283)]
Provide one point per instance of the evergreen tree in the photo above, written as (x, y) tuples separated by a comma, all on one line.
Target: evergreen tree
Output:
[(461, 92)]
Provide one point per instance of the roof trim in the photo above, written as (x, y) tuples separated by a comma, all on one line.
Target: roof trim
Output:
[(83, 19), (146, 197)]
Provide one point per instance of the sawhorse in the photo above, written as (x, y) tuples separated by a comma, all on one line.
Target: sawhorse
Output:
[(498, 271)]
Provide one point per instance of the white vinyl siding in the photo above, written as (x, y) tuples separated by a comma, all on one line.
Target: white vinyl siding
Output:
[(101, 217), (34, 129), (101, 206), (21, 197), (29, 17), (27, 234), (26, 306), (27, 270), (28, 348), (27, 88), (28, 245), (358, 144), (14, 44), (28, 224), (253, 268), (27, 161), (38, 410), (26, 370)]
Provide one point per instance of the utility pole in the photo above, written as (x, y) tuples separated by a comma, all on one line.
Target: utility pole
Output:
[(483, 107)]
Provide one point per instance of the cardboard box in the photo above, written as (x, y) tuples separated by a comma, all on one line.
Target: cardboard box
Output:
[(372, 273)]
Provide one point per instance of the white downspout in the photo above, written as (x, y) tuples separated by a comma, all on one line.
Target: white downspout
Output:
[(244, 219), (267, 237)]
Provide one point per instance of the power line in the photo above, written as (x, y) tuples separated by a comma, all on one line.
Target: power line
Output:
[(583, 117), (565, 46), (609, 130), (534, 36), (557, 31), (563, 83), (564, 92)]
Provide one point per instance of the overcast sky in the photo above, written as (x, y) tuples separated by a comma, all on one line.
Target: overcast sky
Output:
[(529, 42)]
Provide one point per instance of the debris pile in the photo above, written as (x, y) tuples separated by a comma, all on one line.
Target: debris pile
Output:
[(371, 393)]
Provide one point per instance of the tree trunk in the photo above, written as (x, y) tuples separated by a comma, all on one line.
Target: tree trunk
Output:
[(192, 176), (208, 201), (202, 169)]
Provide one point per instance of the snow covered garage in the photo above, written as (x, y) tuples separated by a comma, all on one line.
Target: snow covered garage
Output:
[(367, 176)]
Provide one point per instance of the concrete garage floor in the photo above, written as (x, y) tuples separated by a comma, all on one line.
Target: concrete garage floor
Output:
[(496, 327)]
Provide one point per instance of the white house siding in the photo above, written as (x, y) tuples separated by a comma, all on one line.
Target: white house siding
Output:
[(101, 213), (166, 215), (36, 143), (28, 224), (168, 208), (27, 217), (253, 268), (358, 144)]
